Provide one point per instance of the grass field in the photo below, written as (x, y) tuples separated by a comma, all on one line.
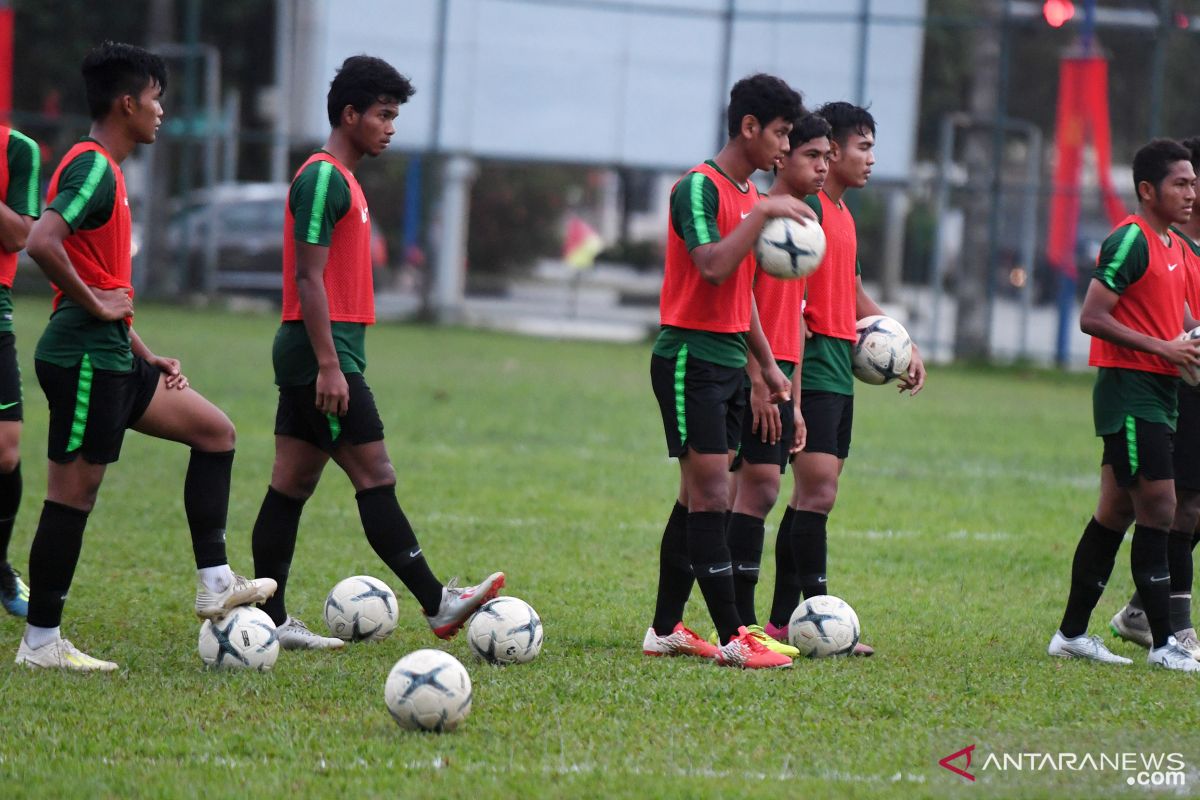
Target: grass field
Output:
[(957, 517)]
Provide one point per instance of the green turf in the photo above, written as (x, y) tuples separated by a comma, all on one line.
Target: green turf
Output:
[(952, 538)]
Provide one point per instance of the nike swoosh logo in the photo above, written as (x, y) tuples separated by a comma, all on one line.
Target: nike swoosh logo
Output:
[(821, 580), (718, 570), (1160, 580), (8, 405), (1101, 584), (745, 214), (415, 553), (747, 569), (1171, 267)]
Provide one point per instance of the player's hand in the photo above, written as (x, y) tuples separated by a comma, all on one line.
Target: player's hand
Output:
[(333, 393), (788, 206), (767, 423), (170, 368), (800, 438), (114, 304), (914, 380), (778, 385), (1182, 352)]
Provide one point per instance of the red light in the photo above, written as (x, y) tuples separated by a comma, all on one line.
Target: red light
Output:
[(1058, 12)]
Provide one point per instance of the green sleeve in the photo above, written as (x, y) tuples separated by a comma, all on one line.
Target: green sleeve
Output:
[(319, 197), (814, 203), (87, 190), (694, 204), (24, 175), (1124, 258)]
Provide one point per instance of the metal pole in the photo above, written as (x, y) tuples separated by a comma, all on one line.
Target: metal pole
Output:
[(1159, 67), (993, 247), (941, 205), (1033, 187), (723, 73), (864, 40), (284, 25)]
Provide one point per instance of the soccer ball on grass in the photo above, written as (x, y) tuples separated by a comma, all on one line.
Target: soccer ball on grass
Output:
[(823, 626), (428, 690), (506, 630), (242, 639), (361, 608)]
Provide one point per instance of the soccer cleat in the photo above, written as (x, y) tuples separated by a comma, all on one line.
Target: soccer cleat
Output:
[(766, 640), (861, 649), (1188, 643), (747, 652), (240, 592), (1130, 624), (1172, 656), (1089, 647), (295, 635), (14, 594), (61, 654), (777, 632), (458, 604), (680, 641)]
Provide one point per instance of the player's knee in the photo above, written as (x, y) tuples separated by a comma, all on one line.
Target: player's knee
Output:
[(10, 457), (819, 497)]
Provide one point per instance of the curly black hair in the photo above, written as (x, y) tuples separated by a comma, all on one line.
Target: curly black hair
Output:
[(846, 118), (810, 126), (1153, 161), (361, 82), (115, 69), (764, 97)]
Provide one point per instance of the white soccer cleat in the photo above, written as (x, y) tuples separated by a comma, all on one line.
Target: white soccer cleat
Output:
[(61, 654), (1189, 644), (1089, 647), (1172, 656), (295, 635), (459, 603), (240, 592), (1131, 625)]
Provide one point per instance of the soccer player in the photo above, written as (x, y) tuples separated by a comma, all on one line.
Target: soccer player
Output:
[(98, 375), (326, 410), (1134, 310), (698, 365), (1130, 622), (21, 205), (836, 301), (772, 433)]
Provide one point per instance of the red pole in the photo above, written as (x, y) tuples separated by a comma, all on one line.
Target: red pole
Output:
[(6, 59)]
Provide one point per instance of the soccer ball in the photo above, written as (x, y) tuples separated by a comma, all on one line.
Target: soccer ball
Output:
[(428, 690), (1190, 375), (823, 626), (242, 639), (361, 608), (790, 249), (882, 351), (506, 631)]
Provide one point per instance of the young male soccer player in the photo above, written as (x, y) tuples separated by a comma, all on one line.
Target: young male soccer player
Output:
[(772, 433), (836, 301), (326, 410), (1134, 310), (1130, 622), (21, 204), (100, 378), (697, 369)]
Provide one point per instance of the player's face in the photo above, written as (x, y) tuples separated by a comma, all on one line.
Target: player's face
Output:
[(375, 127), (852, 162), (147, 113), (1176, 194), (804, 169), (769, 143)]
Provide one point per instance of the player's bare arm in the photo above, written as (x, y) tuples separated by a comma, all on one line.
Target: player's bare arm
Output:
[(45, 246), (14, 229), (175, 379), (1096, 319), (333, 393), (776, 382), (800, 437), (765, 414)]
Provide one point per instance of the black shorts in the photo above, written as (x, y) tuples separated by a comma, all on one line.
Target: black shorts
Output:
[(754, 450), (701, 403), (1143, 448), (829, 416), (297, 416), (10, 380), (1187, 440), (90, 409)]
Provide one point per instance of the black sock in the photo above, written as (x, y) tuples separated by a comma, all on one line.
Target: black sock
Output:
[(393, 540), (10, 501), (712, 565), (1179, 559), (745, 536), (206, 504), (1093, 564), (674, 573), (787, 580), (1152, 576), (52, 561), (810, 551), (274, 542)]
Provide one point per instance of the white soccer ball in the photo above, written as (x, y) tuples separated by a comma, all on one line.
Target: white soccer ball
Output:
[(1190, 375), (823, 626), (790, 249), (361, 608), (428, 690), (882, 351), (506, 631), (242, 639)]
